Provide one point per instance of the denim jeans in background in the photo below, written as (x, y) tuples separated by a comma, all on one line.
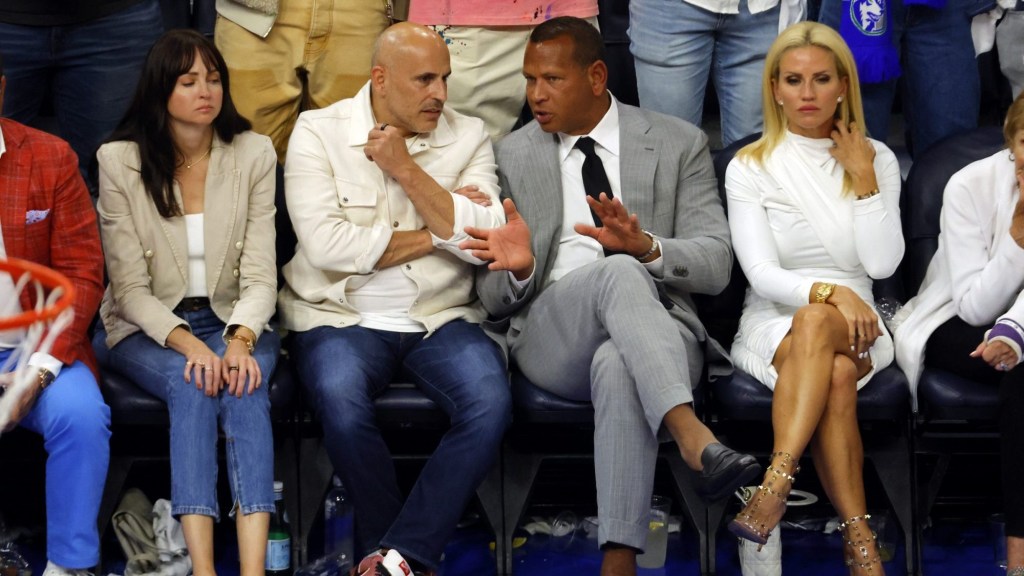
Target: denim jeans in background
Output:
[(941, 85), (194, 416), (460, 369), (89, 69), (677, 45), (74, 422)]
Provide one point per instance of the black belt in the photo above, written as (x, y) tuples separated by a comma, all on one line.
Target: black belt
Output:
[(192, 304)]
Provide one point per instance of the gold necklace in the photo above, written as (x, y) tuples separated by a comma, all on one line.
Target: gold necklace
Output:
[(188, 166)]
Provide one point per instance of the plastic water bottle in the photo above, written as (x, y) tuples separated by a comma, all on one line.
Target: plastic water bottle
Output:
[(279, 540), (338, 525)]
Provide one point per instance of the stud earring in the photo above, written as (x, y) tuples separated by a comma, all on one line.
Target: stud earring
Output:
[(780, 102), (840, 99)]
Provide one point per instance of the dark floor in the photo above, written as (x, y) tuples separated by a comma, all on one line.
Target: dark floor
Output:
[(951, 548)]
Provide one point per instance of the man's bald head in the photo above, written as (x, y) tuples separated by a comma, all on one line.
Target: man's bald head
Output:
[(408, 78), (404, 37)]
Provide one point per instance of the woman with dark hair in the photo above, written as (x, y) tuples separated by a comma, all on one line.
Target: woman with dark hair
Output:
[(814, 215), (187, 220), (968, 317)]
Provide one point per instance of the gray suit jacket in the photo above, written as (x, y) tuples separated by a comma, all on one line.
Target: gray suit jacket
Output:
[(667, 179)]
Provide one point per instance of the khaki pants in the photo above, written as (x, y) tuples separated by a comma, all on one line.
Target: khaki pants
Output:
[(317, 53), (487, 73)]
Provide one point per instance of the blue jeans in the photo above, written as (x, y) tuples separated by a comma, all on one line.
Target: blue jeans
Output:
[(194, 416), (941, 85), (90, 69), (74, 422), (460, 369), (676, 46)]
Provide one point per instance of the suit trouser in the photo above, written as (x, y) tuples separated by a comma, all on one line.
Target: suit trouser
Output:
[(316, 54), (601, 334)]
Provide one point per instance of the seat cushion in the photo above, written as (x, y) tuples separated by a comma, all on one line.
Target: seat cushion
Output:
[(741, 397), (403, 405), (532, 404), (946, 396)]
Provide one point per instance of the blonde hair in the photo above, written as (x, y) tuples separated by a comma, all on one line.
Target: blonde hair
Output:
[(1014, 120), (801, 35)]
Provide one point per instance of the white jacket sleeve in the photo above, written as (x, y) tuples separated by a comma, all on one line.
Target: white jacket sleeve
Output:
[(754, 244), (983, 285), (877, 232)]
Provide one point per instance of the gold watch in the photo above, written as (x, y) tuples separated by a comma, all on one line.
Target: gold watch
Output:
[(824, 292), (45, 378)]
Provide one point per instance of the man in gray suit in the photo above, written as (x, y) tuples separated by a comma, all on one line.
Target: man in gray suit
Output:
[(597, 306)]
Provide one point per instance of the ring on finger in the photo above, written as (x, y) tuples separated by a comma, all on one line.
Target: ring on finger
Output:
[(232, 368), (1003, 367), (209, 369)]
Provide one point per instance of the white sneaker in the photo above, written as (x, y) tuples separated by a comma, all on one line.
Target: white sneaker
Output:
[(55, 570), (377, 564)]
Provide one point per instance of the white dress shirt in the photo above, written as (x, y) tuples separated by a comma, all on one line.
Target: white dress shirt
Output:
[(576, 250)]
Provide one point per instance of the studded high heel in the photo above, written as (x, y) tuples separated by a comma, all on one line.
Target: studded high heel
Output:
[(754, 526), (860, 543)]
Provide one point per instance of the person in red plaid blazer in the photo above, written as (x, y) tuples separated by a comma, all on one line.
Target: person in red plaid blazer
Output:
[(46, 216)]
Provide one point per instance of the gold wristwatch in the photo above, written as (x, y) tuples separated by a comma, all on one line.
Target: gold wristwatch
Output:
[(45, 378), (824, 291)]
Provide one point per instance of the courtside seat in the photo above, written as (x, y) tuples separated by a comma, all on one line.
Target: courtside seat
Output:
[(740, 406), (741, 397), (955, 416), (946, 396), (547, 426), (133, 406), (140, 425), (411, 423)]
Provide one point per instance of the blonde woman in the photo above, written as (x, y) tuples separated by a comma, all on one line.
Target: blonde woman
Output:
[(814, 215)]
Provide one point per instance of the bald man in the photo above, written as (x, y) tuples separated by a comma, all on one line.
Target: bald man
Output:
[(379, 190)]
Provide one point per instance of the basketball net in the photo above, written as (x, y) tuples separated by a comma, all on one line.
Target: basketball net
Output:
[(31, 330)]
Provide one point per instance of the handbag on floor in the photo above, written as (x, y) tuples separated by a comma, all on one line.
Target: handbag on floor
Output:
[(150, 537), (133, 525)]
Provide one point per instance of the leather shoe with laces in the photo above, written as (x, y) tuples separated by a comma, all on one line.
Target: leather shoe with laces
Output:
[(724, 471)]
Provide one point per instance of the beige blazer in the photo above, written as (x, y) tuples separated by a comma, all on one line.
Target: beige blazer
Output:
[(147, 256)]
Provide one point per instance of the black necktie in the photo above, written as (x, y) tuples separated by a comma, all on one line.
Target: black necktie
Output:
[(595, 180)]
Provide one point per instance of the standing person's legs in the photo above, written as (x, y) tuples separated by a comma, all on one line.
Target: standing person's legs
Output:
[(463, 372), (344, 369), (673, 44), (877, 97), (339, 47), (97, 66), (740, 50), (75, 424), (940, 105), (487, 73), (265, 85), (28, 68)]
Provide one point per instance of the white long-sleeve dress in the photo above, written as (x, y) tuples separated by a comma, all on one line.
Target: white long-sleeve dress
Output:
[(792, 225)]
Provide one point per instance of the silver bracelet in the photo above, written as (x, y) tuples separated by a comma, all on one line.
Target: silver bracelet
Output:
[(654, 246), (1018, 571)]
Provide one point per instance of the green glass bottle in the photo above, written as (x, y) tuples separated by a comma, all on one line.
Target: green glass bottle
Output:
[(279, 540)]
